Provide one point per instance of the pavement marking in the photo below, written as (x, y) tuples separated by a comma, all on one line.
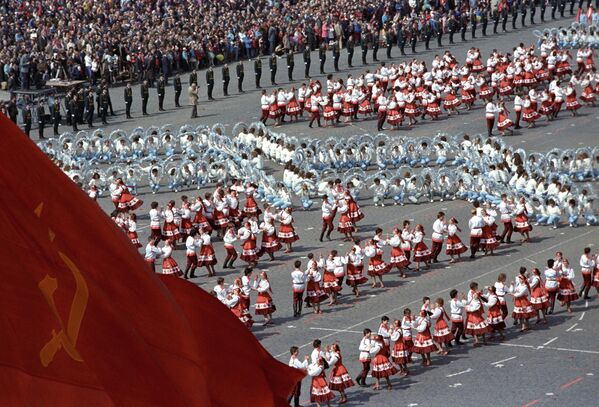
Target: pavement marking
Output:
[(590, 374), (310, 228), (533, 262), (531, 403), (569, 384), (459, 373), (455, 385), (503, 360), (549, 341), (143, 227), (586, 304), (290, 326), (549, 394), (592, 352), (516, 345), (334, 330), (582, 316), (495, 270), (572, 327)]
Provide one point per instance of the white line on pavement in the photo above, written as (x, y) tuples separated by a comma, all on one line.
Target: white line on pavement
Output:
[(495, 270), (582, 316), (533, 262), (504, 360), (572, 327), (549, 341), (335, 330), (593, 352), (459, 373)]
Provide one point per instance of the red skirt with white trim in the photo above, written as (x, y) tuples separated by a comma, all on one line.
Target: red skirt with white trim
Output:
[(314, 293), (455, 246), (329, 283), (250, 207), (128, 202), (488, 240), (572, 103), (401, 353), (442, 333), (381, 367), (320, 391), (170, 231), (495, 318), (207, 256), (348, 109), (421, 252), (521, 224), (523, 309), (345, 224), (504, 122), (354, 211), (423, 343), (200, 221), (355, 275), (567, 292), (248, 253), (365, 107), (340, 378), (293, 108), (530, 115), (270, 244), (264, 304), (398, 258), (134, 239), (170, 266), (476, 323), (287, 234), (539, 298), (186, 226), (273, 111), (377, 267)]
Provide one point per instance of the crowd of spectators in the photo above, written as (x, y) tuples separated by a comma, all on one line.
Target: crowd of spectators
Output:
[(119, 40)]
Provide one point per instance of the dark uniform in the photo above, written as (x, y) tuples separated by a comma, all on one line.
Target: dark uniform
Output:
[(364, 46), (452, 26), (307, 62), (473, 23), (27, 120), (389, 41), (523, 12), (290, 65), (533, 10), (401, 39), (414, 37), (178, 89), (193, 78), (105, 87), (375, 44), (226, 79), (350, 51), (272, 63), (56, 115), (428, 33), (90, 110), (145, 95), (484, 20), (161, 93), (128, 94), (240, 74), (12, 110), (41, 120), (104, 107), (336, 55), (322, 57), (73, 104), (80, 97), (465, 18), (210, 82), (258, 71), (515, 9)]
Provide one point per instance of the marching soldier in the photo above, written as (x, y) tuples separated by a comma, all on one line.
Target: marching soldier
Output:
[(73, 104), (193, 77), (106, 88), (90, 110), (375, 44), (533, 10), (178, 89), (543, 8), (307, 61), (290, 65), (350, 51), (161, 92), (226, 79), (27, 119), (428, 33), (193, 100), (473, 24), (12, 110), (41, 119), (210, 82), (414, 37), (258, 71), (336, 55), (80, 98), (389, 40), (145, 95), (515, 8), (484, 19), (452, 25), (128, 99), (464, 19), (322, 56), (523, 12), (364, 46), (104, 106), (240, 74), (56, 115), (401, 39), (272, 63)]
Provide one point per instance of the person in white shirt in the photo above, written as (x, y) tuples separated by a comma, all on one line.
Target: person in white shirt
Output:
[(439, 232), (220, 290), (298, 282), (567, 293), (152, 253), (587, 268), (366, 344), (295, 362), (328, 215), (229, 238), (551, 283), (456, 310), (192, 243)]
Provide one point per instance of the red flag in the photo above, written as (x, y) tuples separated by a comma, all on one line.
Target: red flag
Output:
[(84, 320)]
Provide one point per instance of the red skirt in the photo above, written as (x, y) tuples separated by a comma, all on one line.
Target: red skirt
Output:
[(264, 304), (381, 367), (401, 353), (207, 256), (433, 109), (394, 117), (220, 220), (201, 222), (495, 318), (273, 111), (186, 226), (377, 267), (270, 244), (566, 292), (314, 293), (421, 252), (235, 216), (539, 298), (571, 103), (170, 266), (442, 333), (128, 202), (329, 113), (488, 240), (476, 323), (293, 108), (320, 391), (287, 234), (171, 231), (398, 258), (134, 239), (354, 211), (355, 275), (523, 309), (521, 224), (251, 207), (340, 378), (345, 224), (248, 253), (455, 246), (423, 343), (329, 283), (504, 122), (365, 107), (348, 109), (243, 314), (530, 115)]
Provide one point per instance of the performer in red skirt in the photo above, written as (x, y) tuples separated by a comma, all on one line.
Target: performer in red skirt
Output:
[(421, 252), (522, 225), (248, 244), (455, 247), (523, 310), (423, 343), (319, 390), (398, 257), (270, 242), (127, 202), (381, 367), (199, 220), (376, 266), (538, 296), (169, 265), (186, 224), (354, 212), (400, 353), (441, 333), (572, 103), (287, 232), (488, 241), (355, 267), (340, 378), (495, 313), (250, 208), (293, 107), (345, 226), (132, 230), (207, 257), (476, 324), (330, 284), (264, 304), (567, 293), (236, 306), (314, 293), (170, 230), (529, 114), (504, 123)]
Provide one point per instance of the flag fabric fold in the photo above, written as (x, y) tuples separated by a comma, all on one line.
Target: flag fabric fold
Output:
[(84, 320)]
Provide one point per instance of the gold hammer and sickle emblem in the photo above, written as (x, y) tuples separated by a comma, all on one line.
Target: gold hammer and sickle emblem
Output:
[(65, 339)]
